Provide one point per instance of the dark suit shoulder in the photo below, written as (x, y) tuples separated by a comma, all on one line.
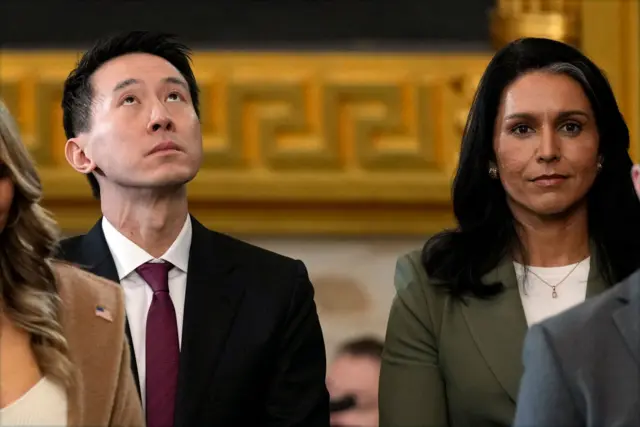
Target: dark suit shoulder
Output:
[(69, 248), (273, 279), (244, 253)]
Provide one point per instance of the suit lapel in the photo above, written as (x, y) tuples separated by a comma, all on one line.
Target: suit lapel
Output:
[(214, 291), (98, 260), (498, 327), (627, 318), (97, 256)]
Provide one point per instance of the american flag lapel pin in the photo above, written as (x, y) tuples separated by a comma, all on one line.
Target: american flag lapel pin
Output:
[(102, 312)]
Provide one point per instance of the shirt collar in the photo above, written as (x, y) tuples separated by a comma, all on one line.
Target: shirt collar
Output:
[(128, 256)]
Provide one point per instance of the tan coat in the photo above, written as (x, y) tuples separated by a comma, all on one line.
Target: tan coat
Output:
[(104, 393)]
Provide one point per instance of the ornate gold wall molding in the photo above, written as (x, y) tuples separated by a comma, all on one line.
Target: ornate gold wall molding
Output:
[(300, 143), (313, 143), (611, 37), (554, 19)]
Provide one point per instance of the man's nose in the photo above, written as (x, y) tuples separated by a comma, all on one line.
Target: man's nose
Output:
[(160, 120)]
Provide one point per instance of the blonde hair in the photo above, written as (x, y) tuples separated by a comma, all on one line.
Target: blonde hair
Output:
[(29, 295)]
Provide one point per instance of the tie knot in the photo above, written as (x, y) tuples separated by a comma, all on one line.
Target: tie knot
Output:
[(156, 274)]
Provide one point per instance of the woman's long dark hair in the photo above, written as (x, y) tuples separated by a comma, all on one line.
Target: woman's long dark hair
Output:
[(486, 230)]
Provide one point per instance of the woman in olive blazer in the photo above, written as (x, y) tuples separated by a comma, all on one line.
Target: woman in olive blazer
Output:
[(448, 363), (542, 188)]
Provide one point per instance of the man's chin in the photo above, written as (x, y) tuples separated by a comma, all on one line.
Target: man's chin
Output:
[(173, 180), (168, 186)]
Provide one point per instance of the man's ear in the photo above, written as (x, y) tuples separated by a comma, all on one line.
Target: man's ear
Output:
[(74, 151)]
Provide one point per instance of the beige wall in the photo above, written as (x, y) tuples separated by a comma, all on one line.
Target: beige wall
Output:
[(353, 279)]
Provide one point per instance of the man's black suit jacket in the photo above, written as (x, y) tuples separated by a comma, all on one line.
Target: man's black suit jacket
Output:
[(252, 350)]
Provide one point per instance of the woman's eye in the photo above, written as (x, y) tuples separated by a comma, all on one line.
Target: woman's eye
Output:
[(521, 129), (572, 127)]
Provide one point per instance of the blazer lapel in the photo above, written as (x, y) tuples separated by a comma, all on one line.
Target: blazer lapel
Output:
[(498, 327), (99, 261), (214, 291), (627, 318)]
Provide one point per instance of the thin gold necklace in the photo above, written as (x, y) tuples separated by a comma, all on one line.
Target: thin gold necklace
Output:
[(554, 294)]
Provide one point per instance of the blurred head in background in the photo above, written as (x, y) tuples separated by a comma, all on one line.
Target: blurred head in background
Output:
[(352, 381), (131, 114)]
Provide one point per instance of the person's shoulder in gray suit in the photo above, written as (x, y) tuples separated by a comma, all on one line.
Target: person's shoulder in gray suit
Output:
[(582, 367)]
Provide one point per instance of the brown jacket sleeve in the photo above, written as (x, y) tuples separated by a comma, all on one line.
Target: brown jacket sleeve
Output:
[(127, 409), (94, 324)]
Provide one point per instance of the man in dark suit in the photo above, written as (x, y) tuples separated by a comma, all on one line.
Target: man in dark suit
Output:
[(582, 367), (222, 332)]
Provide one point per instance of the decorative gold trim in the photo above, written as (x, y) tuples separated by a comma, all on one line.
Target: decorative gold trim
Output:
[(611, 37), (557, 26), (314, 143), (556, 19)]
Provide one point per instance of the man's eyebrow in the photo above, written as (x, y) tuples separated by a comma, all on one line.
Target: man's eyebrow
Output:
[(177, 81), (125, 83), (128, 82)]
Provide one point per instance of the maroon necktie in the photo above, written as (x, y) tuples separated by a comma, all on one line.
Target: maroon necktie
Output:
[(162, 347)]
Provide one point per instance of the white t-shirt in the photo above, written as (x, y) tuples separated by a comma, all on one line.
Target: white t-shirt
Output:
[(537, 296)]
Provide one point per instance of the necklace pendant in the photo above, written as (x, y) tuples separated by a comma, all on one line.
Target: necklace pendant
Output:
[(554, 294)]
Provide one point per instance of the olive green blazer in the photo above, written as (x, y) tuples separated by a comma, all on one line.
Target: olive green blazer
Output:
[(447, 364)]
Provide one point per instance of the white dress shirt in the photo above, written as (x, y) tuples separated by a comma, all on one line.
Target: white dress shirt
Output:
[(138, 294)]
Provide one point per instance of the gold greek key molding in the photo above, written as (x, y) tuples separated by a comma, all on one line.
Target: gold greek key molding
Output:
[(616, 48), (306, 143), (316, 143)]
